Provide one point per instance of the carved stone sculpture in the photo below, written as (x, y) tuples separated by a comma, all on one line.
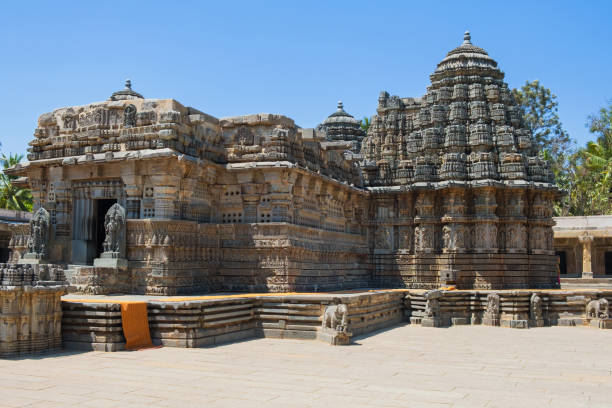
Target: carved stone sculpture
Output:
[(334, 326), (39, 235), (129, 119), (536, 315), (335, 317), (431, 317), (114, 225), (491, 315), (535, 307), (597, 309), (114, 241)]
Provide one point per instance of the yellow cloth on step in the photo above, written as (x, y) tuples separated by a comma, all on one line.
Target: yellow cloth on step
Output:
[(135, 322)]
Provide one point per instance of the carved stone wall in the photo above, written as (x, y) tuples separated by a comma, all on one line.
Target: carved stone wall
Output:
[(30, 305), (447, 189)]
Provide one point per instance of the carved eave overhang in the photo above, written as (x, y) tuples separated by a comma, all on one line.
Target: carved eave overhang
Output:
[(472, 184), (250, 166), (106, 158), (23, 182)]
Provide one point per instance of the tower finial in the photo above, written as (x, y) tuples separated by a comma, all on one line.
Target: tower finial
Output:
[(467, 38), (128, 84), (340, 107)]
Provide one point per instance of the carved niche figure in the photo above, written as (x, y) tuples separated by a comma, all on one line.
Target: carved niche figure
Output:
[(535, 307), (335, 317), (405, 238), (448, 237), (492, 305), (597, 309), (515, 236), (129, 116), (39, 233), (383, 238), (114, 225), (423, 238), (453, 237)]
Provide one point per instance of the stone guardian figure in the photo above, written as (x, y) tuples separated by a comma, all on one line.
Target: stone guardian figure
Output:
[(114, 226), (39, 236), (114, 242)]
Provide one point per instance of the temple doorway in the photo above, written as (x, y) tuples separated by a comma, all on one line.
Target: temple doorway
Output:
[(101, 207)]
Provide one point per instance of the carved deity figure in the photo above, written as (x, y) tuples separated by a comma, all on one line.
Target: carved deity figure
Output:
[(515, 236), (383, 238), (598, 309), (535, 307), (423, 238), (114, 225), (492, 305), (39, 233), (129, 119), (335, 317)]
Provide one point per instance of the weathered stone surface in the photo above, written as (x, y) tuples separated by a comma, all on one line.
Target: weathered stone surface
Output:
[(31, 313), (447, 189)]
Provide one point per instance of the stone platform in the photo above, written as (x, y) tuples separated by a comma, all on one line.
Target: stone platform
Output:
[(94, 322)]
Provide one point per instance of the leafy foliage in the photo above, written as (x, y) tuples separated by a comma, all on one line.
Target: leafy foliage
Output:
[(539, 107), (11, 196), (365, 124), (594, 163)]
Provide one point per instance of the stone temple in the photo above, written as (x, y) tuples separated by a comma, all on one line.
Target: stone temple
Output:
[(141, 195)]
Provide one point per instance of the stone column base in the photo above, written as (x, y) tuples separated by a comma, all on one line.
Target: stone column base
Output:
[(601, 323), (119, 263), (335, 338)]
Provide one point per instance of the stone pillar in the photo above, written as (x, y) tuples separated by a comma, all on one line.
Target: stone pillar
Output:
[(586, 240), (165, 194), (133, 192)]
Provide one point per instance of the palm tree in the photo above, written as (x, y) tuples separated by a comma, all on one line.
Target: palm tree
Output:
[(11, 196), (596, 159)]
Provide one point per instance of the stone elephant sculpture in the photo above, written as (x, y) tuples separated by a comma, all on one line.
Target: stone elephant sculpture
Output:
[(597, 309), (335, 317)]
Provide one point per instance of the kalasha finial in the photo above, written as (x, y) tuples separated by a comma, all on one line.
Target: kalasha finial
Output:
[(467, 38), (128, 84), (340, 107)]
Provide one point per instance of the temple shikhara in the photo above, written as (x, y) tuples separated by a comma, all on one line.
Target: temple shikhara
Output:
[(148, 196)]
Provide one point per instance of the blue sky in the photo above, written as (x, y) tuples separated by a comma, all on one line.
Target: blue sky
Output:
[(294, 58)]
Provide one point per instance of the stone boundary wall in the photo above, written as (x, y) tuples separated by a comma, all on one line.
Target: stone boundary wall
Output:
[(198, 323), (511, 308), (30, 308)]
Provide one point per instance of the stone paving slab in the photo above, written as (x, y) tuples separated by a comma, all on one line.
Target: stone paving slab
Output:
[(406, 366)]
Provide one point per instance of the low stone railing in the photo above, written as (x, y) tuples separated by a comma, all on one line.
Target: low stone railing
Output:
[(31, 311)]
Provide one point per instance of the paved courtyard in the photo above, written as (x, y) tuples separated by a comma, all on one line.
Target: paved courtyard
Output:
[(401, 367)]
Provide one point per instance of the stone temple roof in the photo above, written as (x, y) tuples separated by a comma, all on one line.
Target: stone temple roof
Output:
[(466, 57), (342, 126), (126, 93), (341, 116)]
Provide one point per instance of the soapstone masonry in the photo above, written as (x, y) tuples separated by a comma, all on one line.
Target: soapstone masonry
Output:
[(446, 189), (30, 308)]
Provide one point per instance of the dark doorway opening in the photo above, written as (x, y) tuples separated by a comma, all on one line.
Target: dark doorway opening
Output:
[(102, 207), (608, 263), (4, 255), (562, 262)]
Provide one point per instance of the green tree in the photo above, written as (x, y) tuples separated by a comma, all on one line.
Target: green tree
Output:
[(539, 108), (13, 197), (365, 124)]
